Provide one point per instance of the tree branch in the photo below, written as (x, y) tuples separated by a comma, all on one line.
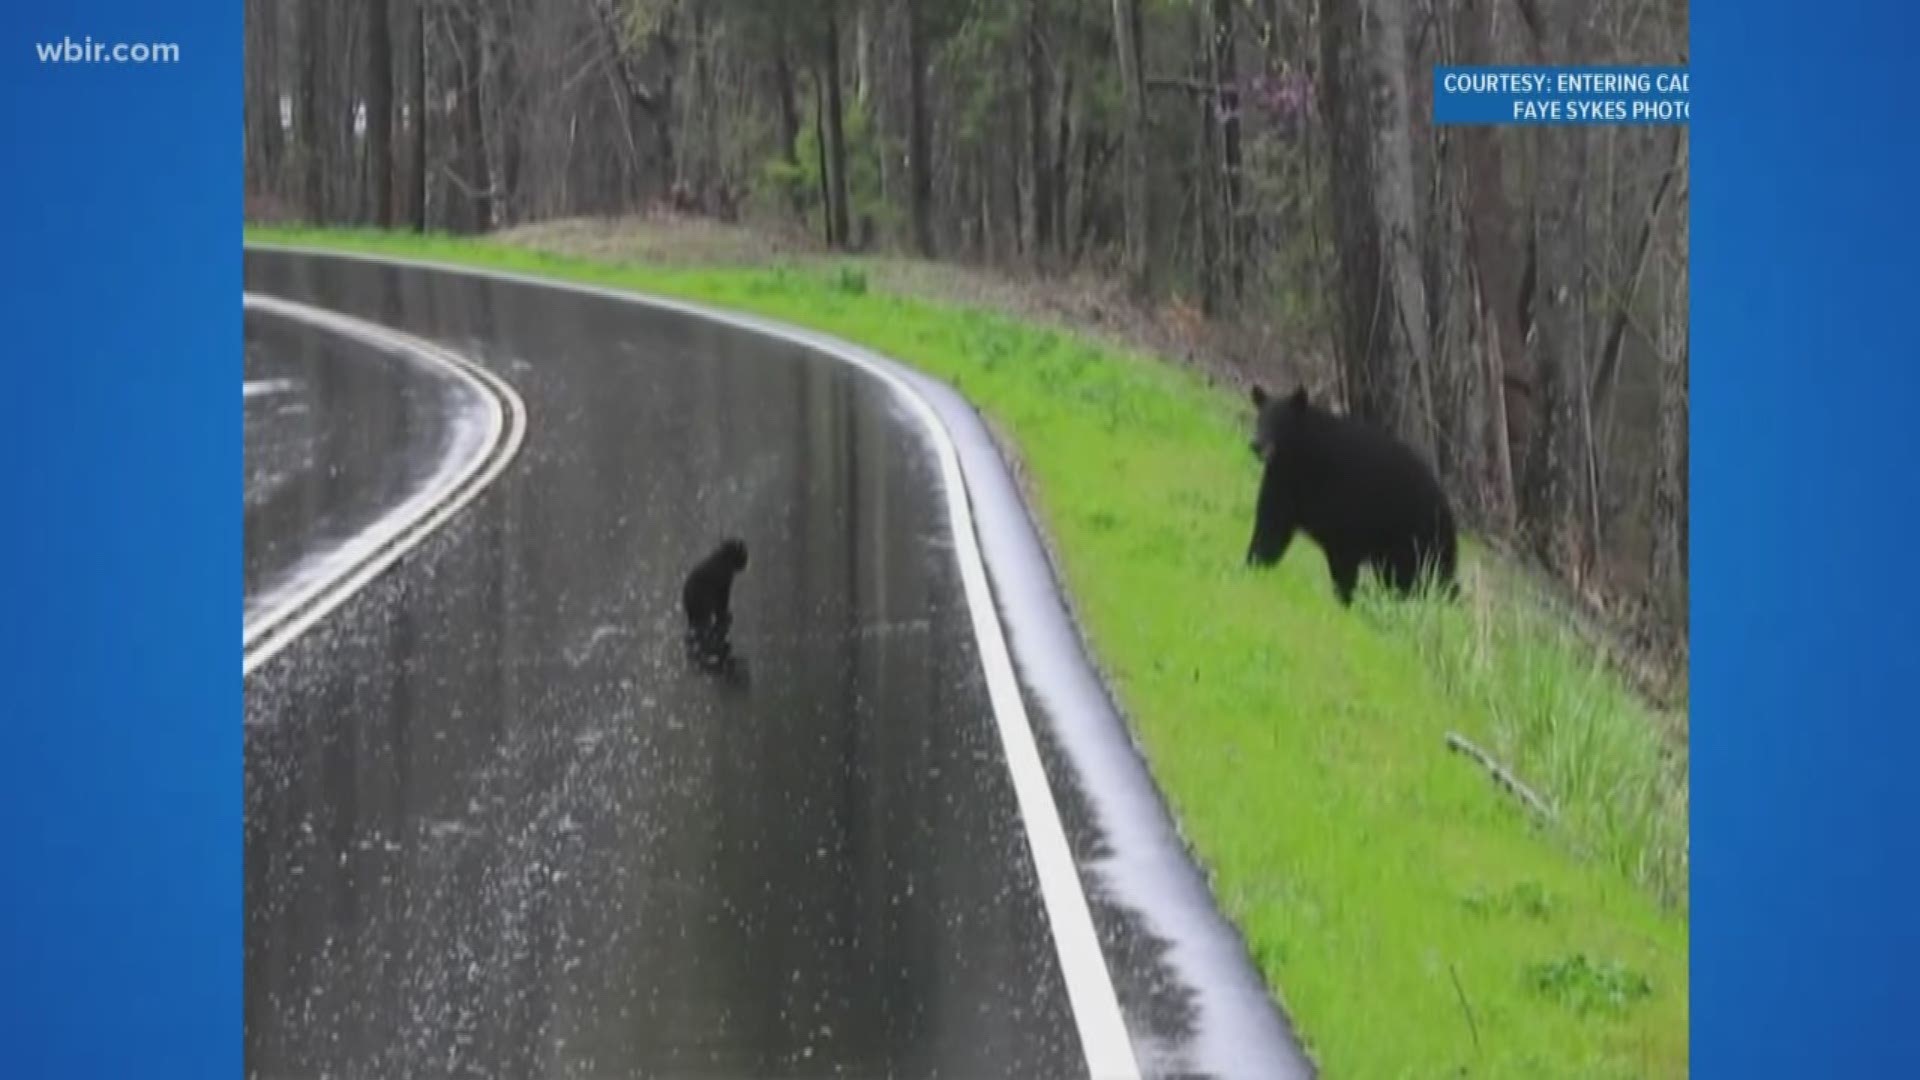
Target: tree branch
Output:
[(637, 93), (1613, 346), (1458, 743)]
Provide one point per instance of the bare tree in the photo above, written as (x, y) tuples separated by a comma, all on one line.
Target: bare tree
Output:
[(417, 109), (471, 179), (307, 113), (1039, 157), (1494, 262), (1556, 487), (836, 135), (919, 144), (1126, 39), (380, 113), (1670, 502), (1224, 74), (787, 109), (1383, 342), (501, 47), (264, 134)]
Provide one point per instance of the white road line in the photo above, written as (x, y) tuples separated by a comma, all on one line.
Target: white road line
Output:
[(1096, 1008), (254, 388), (381, 544)]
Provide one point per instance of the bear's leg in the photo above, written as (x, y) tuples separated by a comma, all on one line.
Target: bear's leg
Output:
[(1273, 521), (1402, 571), (1267, 546), (1346, 575)]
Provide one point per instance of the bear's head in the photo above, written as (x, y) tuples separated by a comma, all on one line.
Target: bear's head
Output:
[(734, 553), (1276, 419)]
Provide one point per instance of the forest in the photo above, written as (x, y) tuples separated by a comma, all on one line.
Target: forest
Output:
[(1510, 301)]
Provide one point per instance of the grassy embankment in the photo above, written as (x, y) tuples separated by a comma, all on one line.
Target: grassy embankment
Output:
[(1410, 916)]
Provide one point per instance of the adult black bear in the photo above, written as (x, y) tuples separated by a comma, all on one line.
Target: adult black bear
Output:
[(1365, 497), (707, 594)]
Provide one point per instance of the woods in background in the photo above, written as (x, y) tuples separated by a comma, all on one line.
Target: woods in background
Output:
[(1511, 301)]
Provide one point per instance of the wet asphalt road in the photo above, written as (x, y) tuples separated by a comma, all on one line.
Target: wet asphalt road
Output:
[(337, 433), (496, 825)]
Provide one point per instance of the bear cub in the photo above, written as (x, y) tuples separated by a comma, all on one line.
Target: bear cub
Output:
[(1364, 496), (706, 597)]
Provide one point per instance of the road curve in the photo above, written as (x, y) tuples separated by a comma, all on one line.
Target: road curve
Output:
[(429, 432), (317, 479), (496, 827)]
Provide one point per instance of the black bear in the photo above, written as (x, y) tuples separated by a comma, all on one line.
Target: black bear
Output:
[(1365, 497), (707, 594)]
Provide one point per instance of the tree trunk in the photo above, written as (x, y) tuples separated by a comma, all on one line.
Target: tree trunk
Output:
[(472, 189), (1614, 343), (1349, 164), (1556, 495), (380, 113), (787, 114), (1061, 164), (340, 100), (1202, 173), (985, 172), (503, 53), (1405, 365), (1670, 496), (820, 147), (1224, 68), (836, 128), (1496, 260), (1495, 337), (787, 108), (1133, 127), (704, 174), (307, 122), (1383, 307), (264, 132), (919, 150), (1039, 159), (1459, 372), (419, 109), (863, 36)]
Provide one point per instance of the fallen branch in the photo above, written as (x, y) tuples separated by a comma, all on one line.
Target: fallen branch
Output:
[(1506, 779), (1472, 1027)]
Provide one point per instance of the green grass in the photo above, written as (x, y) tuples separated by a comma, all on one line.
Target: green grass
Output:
[(1410, 916)]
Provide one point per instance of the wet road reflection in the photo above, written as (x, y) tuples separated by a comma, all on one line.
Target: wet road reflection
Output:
[(336, 434), (497, 825)]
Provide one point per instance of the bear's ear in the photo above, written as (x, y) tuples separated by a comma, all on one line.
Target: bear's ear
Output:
[(1299, 398), (1259, 395)]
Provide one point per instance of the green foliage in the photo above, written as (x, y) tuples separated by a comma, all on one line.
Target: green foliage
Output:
[(1586, 987), (851, 280), (1526, 899), (780, 185), (763, 25), (980, 59), (797, 182), (1554, 712), (866, 146), (645, 18)]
